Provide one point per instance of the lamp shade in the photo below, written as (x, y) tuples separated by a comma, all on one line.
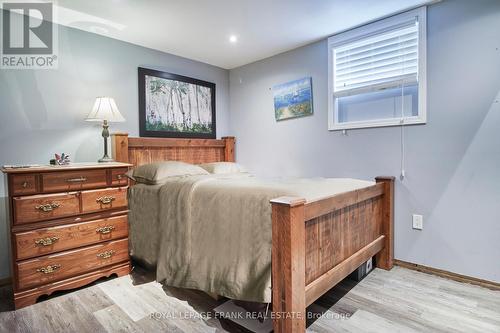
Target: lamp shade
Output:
[(105, 109)]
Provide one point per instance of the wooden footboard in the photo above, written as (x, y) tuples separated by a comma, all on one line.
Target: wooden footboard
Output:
[(317, 244)]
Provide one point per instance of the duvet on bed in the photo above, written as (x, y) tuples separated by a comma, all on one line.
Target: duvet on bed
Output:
[(213, 232)]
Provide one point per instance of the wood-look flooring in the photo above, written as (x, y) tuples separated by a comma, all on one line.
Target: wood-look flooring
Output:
[(397, 301)]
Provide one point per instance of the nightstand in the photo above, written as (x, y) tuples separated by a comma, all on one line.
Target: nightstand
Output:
[(68, 226)]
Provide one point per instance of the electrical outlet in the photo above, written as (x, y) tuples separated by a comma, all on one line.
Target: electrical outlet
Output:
[(418, 222)]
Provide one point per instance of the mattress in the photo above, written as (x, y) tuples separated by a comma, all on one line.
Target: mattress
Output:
[(213, 232)]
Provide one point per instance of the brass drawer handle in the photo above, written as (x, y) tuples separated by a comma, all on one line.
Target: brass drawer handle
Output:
[(49, 269), (25, 185), (105, 200), (76, 180), (46, 241), (48, 207), (105, 230), (119, 177), (106, 254)]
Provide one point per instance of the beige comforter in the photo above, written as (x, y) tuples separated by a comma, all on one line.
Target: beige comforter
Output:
[(213, 232)]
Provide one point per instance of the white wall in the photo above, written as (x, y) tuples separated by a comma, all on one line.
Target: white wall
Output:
[(42, 111), (453, 162)]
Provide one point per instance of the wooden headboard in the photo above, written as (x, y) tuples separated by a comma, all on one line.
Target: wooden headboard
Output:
[(139, 151)]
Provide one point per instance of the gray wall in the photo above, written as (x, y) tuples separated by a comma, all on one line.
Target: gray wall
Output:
[(43, 111), (452, 163)]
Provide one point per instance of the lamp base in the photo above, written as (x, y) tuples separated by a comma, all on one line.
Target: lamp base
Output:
[(105, 159), (105, 135)]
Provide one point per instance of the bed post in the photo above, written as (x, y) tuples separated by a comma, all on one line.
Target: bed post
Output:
[(119, 147), (229, 148), (384, 258), (288, 265)]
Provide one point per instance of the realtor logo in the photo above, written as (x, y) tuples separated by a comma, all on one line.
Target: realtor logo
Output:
[(28, 36)]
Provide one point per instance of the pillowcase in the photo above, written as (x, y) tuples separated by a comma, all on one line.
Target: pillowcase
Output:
[(223, 167), (159, 172)]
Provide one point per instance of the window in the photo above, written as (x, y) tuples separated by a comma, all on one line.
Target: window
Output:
[(377, 73)]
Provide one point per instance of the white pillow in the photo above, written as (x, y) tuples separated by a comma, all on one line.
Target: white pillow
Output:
[(159, 172), (223, 167)]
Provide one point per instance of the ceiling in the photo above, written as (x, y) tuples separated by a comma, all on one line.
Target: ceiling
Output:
[(200, 29)]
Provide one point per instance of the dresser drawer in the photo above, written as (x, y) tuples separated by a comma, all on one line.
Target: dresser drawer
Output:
[(119, 177), (45, 207), (49, 240), (23, 184), (42, 270), (98, 200), (73, 180)]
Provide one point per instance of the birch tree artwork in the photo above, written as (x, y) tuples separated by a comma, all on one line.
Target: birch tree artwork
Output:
[(176, 106)]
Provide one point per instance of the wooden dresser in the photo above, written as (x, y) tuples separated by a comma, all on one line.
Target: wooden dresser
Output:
[(68, 227)]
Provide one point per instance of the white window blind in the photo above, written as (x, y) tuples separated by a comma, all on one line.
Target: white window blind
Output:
[(378, 61)]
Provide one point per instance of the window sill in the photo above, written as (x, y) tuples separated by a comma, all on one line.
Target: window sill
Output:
[(372, 124)]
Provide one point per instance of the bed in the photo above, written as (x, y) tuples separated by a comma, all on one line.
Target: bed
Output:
[(317, 238)]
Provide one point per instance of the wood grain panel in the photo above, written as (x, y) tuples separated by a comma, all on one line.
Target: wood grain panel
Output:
[(64, 168), (385, 258), (119, 144), (23, 184), (29, 209), (70, 263), (288, 264), (140, 151), (342, 200), (174, 143), (119, 177), (68, 236), (312, 254), (333, 237), (98, 200), (229, 148), (190, 155), (73, 180), (30, 296), (329, 279)]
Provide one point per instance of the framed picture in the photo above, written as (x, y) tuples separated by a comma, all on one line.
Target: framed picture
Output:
[(175, 106), (293, 99)]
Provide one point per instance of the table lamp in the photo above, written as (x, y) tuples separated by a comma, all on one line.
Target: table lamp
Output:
[(105, 110)]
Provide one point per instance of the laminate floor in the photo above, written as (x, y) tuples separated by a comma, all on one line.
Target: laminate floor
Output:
[(397, 301)]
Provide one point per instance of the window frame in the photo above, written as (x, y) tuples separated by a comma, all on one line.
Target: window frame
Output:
[(373, 29)]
